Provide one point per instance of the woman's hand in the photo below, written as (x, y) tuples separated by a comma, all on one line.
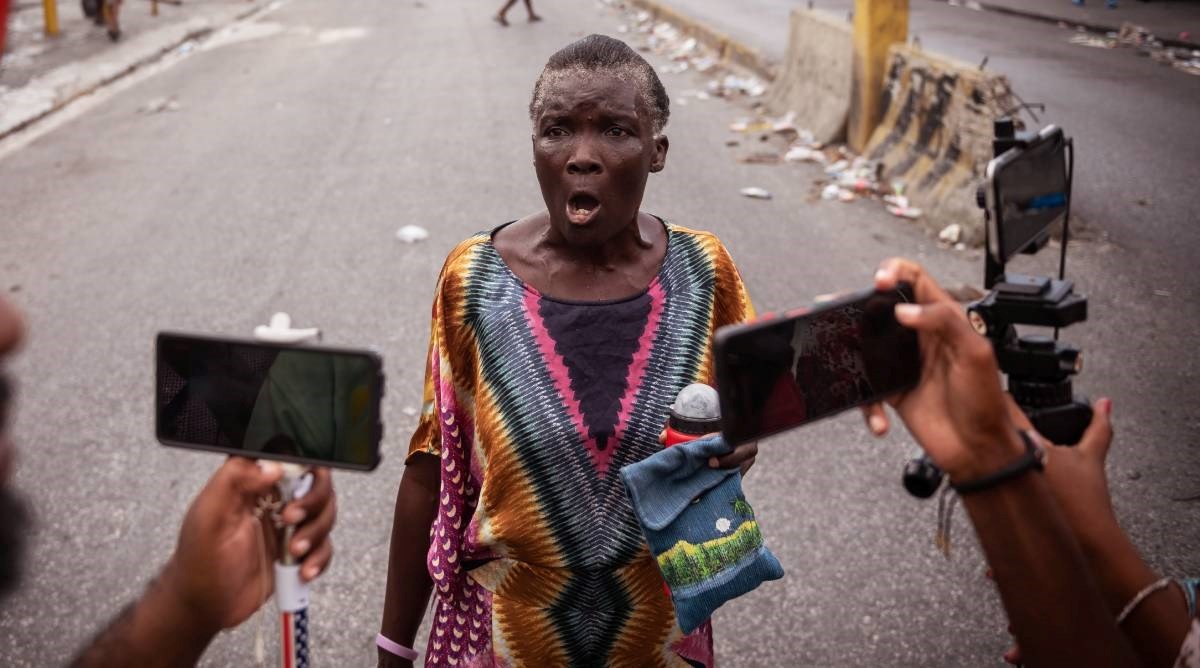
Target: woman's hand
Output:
[(741, 457)]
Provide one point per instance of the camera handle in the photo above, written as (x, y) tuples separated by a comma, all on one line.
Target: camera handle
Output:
[(291, 594)]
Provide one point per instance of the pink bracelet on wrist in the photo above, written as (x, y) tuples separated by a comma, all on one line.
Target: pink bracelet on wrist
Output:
[(388, 645)]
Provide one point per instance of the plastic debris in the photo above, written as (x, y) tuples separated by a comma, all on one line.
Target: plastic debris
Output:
[(951, 233), (804, 154), (410, 411), (830, 191), (911, 213), (846, 195), (411, 234), (755, 193), (159, 105)]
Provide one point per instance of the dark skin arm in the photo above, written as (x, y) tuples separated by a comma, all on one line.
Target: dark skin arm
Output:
[(961, 417), (408, 581), (215, 579), (1155, 628)]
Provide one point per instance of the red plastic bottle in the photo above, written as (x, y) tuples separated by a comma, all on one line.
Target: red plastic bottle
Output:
[(696, 412)]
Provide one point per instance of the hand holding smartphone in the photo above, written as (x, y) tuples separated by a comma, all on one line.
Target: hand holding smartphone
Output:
[(305, 404), (777, 374)]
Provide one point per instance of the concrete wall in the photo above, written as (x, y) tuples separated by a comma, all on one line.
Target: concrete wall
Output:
[(936, 134), (816, 78)]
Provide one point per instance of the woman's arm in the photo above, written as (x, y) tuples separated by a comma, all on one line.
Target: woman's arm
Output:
[(408, 582)]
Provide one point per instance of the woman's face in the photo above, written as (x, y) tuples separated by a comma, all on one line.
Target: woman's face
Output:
[(593, 148)]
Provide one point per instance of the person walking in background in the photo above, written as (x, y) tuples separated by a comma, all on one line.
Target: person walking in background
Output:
[(1111, 4), (499, 17)]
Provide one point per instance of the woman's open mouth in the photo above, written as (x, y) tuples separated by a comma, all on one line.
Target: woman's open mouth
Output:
[(582, 208)]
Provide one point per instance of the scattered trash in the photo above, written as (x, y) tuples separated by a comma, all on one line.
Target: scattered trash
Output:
[(830, 191), (1095, 42), (410, 411), (159, 105), (760, 158), (186, 48), (1162, 293), (1137, 37), (846, 196), (411, 234), (960, 246), (911, 213), (755, 193), (804, 154), (950, 234)]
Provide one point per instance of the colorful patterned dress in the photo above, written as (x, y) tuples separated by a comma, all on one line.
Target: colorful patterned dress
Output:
[(533, 405)]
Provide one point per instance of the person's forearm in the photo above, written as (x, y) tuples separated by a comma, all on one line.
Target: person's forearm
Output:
[(408, 581), (1157, 626), (1055, 607), (154, 631)]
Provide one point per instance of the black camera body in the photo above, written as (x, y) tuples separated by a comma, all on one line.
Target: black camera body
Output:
[(1027, 192)]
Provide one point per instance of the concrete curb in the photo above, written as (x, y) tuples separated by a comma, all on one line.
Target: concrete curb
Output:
[(50, 92), (732, 51)]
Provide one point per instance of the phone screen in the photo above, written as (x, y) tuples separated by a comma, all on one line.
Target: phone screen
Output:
[(1030, 192), (304, 404), (779, 374)]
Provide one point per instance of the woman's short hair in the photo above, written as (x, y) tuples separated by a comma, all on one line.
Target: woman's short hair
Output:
[(598, 53)]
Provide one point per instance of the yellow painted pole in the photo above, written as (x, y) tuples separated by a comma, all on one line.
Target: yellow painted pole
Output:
[(878, 24), (50, 14)]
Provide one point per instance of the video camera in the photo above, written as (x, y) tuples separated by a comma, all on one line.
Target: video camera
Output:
[(1026, 193)]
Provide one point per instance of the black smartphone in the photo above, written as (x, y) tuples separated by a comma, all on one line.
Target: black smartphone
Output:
[(780, 373), (306, 404), (1027, 192)]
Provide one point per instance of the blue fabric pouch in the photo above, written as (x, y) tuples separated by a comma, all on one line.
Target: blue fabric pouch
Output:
[(700, 528)]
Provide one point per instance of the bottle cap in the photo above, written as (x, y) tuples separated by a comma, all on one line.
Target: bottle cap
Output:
[(696, 410)]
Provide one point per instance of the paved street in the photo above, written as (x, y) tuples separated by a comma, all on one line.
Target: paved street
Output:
[(302, 143)]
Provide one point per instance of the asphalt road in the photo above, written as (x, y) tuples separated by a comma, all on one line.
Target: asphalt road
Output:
[(279, 185)]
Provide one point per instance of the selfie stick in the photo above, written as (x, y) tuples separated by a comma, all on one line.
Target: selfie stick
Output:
[(291, 594)]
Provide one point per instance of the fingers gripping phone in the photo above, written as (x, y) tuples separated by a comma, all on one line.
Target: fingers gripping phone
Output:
[(781, 373), (312, 405)]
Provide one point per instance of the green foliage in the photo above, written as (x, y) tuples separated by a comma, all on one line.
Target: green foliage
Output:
[(686, 564), (742, 507)]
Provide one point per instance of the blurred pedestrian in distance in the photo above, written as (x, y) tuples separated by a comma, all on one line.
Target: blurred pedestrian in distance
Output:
[(1111, 4), (499, 17)]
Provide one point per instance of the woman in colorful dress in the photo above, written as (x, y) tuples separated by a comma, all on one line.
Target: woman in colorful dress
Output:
[(558, 342)]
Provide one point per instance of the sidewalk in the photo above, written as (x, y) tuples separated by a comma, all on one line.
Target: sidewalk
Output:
[(1170, 20), (40, 74)]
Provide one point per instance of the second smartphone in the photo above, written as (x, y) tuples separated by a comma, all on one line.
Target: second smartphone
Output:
[(307, 404), (776, 374)]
